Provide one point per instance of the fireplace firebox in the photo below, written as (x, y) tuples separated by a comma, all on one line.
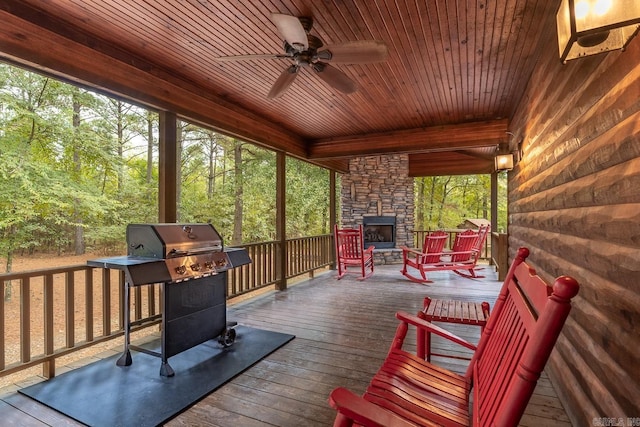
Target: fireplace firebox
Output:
[(379, 231)]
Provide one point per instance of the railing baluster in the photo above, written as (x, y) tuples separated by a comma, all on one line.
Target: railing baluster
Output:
[(88, 304), (48, 367), (25, 319), (69, 303), (106, 302)]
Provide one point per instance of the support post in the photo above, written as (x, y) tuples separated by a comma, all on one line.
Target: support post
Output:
[(494, 211), (167, 168), (332, 215), (281, 232)]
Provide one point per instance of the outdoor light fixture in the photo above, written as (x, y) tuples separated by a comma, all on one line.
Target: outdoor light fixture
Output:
[(588, 27), (504, 157), (504, 162)]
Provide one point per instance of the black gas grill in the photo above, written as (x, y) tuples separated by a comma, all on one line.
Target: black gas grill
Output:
[(190, 262)]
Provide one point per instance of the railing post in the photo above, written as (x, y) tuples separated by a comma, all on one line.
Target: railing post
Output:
[(499, 253)]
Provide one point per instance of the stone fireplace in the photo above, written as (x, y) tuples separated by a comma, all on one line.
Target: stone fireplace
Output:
[(380, 186)]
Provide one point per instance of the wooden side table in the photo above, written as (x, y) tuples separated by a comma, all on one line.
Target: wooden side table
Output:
[(452, 311)]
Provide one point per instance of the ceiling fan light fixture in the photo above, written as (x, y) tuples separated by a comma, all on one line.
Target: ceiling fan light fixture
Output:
[(589, 27), (302, 48)]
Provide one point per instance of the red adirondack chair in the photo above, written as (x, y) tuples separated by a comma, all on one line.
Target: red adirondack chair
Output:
[(463, 256), (512, 352), (470, 262), (350, 252), (431, 252)]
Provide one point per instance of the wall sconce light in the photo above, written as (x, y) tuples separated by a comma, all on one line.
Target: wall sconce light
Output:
[(504, 162), (588, 27)]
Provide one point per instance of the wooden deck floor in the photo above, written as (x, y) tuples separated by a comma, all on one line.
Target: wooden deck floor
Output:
[(343, 330)]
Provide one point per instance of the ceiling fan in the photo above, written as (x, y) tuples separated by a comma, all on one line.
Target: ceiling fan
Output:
[(305, 50)]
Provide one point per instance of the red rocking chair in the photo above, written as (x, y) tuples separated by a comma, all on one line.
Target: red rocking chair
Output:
[(431, 252), (350, 252), (500, 379), (464, 255)]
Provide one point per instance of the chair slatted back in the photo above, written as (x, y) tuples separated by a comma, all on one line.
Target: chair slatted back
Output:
[(434, 244), (464, 242), (483, 232), (349, 243), (516, 343)]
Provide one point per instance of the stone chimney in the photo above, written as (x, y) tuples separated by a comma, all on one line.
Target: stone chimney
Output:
[(380, 186)]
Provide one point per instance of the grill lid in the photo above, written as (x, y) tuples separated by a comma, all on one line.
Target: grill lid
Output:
[(169, 240)]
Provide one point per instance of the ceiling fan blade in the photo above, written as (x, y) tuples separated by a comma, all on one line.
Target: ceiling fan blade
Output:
[(284, 81), (249, 57), (334, 77), (291, 30), (356, 52)]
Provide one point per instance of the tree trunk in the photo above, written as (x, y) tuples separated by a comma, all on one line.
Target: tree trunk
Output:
[(149, 147), (8, 288), (236, 239), (432, 199), (420, 205), (79, 230), (445, 194), (212, 166), (120, 136)]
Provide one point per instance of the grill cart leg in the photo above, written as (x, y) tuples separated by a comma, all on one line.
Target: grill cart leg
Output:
[(166, 370), (125, 359)]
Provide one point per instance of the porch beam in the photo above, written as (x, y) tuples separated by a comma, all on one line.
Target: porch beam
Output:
[(448, 163), (420, 140)]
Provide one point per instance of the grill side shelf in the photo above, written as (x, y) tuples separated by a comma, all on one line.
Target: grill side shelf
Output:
[(138, 270)]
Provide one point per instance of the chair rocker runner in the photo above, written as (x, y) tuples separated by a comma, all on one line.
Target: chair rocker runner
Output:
[(464, 255), (499, 381), (350, 252)]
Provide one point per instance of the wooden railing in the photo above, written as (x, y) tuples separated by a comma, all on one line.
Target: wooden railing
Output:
[(499, 254), (50, 313)]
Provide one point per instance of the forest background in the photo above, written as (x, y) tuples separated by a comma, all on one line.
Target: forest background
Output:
[(76, 167)]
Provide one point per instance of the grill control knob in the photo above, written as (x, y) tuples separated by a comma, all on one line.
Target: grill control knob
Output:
[(221, 262), (208, 265), (181, 269), (195, 267)]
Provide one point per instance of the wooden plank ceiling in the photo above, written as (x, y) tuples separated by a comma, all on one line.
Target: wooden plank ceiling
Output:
[(455, 72)]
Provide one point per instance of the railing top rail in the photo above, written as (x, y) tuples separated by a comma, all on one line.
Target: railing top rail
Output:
[(43, 271)]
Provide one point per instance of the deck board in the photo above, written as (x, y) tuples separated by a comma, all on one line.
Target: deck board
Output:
[(343, 330)]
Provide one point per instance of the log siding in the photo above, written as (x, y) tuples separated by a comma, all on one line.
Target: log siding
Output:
[(575, 196)]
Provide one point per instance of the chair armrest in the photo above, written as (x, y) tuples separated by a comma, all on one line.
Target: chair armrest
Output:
[(369, 250), (430, 327), (362, 411), (413, 251)]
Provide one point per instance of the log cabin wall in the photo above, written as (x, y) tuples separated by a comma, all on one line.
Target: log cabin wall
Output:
[(574, 200)]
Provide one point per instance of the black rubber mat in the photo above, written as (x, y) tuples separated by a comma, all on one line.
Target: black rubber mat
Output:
[(103, 394)]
